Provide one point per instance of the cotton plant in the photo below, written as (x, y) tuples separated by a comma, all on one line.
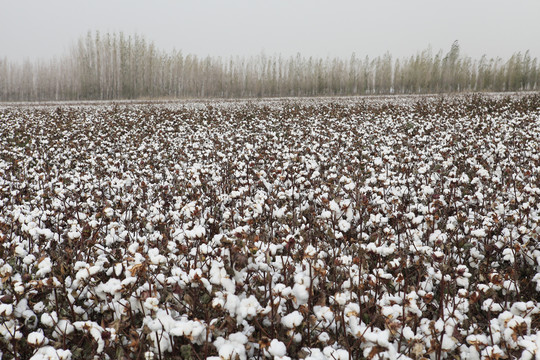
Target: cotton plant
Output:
[(317, 229)]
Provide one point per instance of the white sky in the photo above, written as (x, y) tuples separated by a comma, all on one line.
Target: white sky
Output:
[(46, 28)]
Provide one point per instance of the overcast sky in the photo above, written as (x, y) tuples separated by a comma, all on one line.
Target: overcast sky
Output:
[(43, 29)]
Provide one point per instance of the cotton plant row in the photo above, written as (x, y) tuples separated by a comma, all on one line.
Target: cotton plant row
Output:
[(376, 228)]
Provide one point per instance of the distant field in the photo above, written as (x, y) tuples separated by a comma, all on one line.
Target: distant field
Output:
[(320, 228)]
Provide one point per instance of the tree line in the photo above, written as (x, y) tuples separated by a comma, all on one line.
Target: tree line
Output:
[(117, 66)]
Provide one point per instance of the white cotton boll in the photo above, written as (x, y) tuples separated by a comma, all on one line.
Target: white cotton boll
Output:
[(20, 251), (277, 348), (310, 251), (231, 348), (109, 212), (292, 320), (181, 328), (230, 351), (490, 305), (492, 352), (344, 225), (93, 270), (509, 285), (334, 207), (450, 225), (82, 274), (340, 298), (49, 319), (39, 307), (48, 234), (133, 248), (479, 233), (239, 338), (36, 338), (74, 235), (80, 265), (352, 309), (438, 254), (280, 213), (323, 313), (248, 307), (29, 259), (462, 282), (536, 279), (232, 303), (337, 354), (469, 352), (378, 337), (5, 270), (6, 309), (50, 353), (110, 287), (408, 334), (427, 190), (44, 266), (508, 255), (63, 327), (538, 345), (199, 231), (448, 343), (483, 173), (520, 307), (151, 303), (155, 257), (323, 337), (392, 311), (300, 293), (118, 269), (326, 214)]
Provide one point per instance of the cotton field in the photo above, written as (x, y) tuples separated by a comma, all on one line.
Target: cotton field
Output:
[(354, 228)]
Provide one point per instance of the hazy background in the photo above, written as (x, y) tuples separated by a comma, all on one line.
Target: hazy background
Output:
[(43, 29)]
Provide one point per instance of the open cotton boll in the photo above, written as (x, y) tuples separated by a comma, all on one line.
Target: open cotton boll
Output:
[(109, 212), (490, 305), (63, 327), (292, 320), (326, 214), (96, 332), (155, 257), (49, 319), (344, 225), (231, 349), (479, 233), (44, 267), (350, 186), (151, 304), (301, 294), (277, 348), (448, 343), (36, 338), (50, 353), (6, 310), (492, 352), (29, 259), (337, 354), (248, 308)]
